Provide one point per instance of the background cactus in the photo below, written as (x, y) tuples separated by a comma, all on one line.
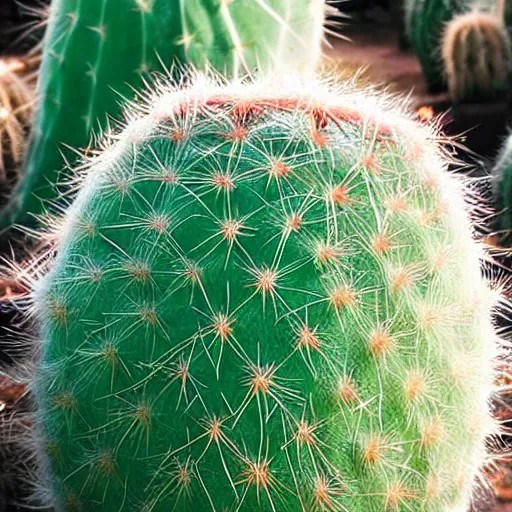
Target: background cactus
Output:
[(266, 297), (425, 23), (16, 103), (502, 191), (477, 57), (98, 52), (238, 37), (92, 52)]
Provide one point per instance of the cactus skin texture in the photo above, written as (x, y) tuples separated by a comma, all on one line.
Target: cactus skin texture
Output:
[(98, 51), (266, 299), (476, 55), (240, 36), (425, 24)]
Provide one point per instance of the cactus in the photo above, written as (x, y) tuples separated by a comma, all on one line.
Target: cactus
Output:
[(508, 14), (265, 297), (16, 103), (98, 51), (476, 55), (501, 179), (92, 51), (240, 36), (425, 23)]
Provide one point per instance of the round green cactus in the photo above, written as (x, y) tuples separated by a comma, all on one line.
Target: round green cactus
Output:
[(266, 297)]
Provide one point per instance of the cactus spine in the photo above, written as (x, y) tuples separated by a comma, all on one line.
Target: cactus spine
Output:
[(425, 23), (100, 50), (476, 55), (266, 297)]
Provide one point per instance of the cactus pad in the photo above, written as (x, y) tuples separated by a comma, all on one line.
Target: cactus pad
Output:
[(266, 297)]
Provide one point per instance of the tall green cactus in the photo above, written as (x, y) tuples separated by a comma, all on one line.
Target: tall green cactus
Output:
[(98, 51), (425, 23), (93, 51), (266, 297), (16, 105), (237, 37)]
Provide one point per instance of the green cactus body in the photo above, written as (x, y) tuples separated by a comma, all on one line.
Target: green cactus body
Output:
[(476, 55), (240, 36), (425, 23), (98, 51), (266, 297)]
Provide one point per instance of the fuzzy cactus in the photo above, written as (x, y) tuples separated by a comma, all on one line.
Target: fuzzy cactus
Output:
[(425, 24), (99, 51), (265, 297), (477, 56)]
